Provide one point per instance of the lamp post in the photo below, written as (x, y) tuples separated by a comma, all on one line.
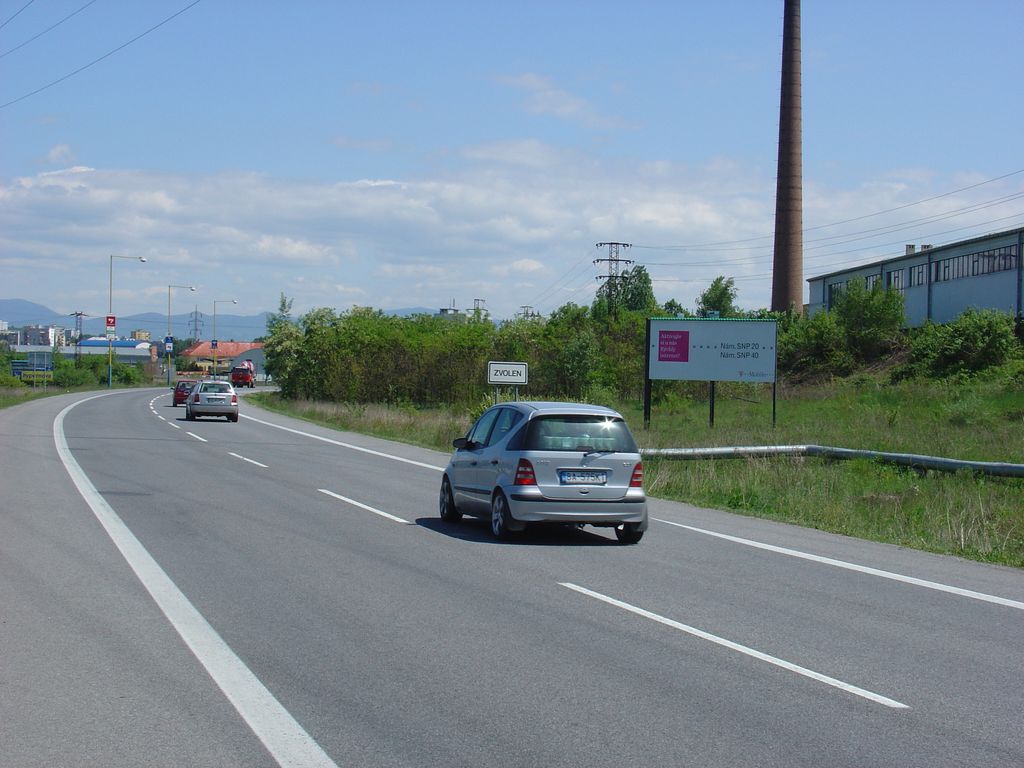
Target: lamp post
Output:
[(110, 311), (168, 348), (215, 342)]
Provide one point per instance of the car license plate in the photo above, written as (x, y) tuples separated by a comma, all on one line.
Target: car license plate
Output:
[(582, 477), (215, 400)]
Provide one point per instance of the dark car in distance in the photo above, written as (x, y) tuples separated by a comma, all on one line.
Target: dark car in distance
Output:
[(181, 390)]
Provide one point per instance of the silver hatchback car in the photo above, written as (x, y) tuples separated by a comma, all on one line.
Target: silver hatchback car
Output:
[(212, 398), (535, 462)]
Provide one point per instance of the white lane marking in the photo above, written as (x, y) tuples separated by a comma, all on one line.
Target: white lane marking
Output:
[(875, 697), (174, 425), (161, 417), (237, 456), (364, 506), (197, 437), (344, 445), (854, 567), (275, 727)]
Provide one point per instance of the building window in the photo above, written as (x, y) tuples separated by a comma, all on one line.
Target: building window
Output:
[(969, 265), (918, 274), (870, 281), (894, 280), (834, 290)]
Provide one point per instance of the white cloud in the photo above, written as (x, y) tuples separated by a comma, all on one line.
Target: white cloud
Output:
[(519, 266), (60, 154), (511, 233), (544, 98)]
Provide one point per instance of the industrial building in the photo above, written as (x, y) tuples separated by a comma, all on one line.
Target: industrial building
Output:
[(940, 282)]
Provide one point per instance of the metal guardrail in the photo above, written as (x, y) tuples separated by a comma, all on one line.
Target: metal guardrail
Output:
[(914, 460)]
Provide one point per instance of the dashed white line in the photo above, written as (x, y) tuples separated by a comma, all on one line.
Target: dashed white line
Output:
[(863, 693), (344, 445), (251, 461), (854, 567), (287, 741), (363, 506), (197, 437)]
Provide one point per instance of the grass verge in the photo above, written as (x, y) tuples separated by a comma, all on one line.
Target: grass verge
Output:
[(963, 514)]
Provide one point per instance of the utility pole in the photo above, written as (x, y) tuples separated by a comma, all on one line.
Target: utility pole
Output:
[(78, 334), (196, 323), (614, 262)]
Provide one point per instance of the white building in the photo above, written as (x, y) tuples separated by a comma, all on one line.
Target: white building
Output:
[(939, 283)]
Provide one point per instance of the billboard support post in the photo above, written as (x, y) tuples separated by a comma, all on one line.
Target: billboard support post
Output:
[(711, 350), (647, 375)]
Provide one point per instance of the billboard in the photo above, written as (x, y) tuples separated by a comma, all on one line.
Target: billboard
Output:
[(705, 349)]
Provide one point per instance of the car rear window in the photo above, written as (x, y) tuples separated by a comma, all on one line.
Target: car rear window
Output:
[(578, 433), (216, 387)]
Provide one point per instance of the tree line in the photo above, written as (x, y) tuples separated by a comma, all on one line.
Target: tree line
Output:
[(597, 352)]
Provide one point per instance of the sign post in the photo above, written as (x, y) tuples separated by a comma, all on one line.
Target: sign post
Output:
[(516, 374), (709, 349)]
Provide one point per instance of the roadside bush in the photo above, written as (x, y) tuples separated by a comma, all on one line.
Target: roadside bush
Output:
[(871, 320), (976, 340), (10, 382), (815, 344)]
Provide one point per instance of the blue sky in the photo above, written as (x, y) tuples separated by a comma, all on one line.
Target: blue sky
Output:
[(396, 154)]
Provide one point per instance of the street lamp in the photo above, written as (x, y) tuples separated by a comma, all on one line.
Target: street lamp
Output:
[(169, 348), (215, 303), (110, 311)]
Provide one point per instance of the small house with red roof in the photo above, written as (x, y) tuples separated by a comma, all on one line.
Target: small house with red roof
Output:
[(227, 354)]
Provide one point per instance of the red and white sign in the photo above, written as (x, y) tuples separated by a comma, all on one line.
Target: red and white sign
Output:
[(111, 322)]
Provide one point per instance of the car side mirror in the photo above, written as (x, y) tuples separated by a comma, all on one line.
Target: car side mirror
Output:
[(459, 443)]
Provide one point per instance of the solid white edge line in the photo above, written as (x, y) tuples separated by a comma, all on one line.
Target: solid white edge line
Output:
[(197, 437), (875, 697), (363, 506), (286, 740), (344, 445), (238, 456), (854, 567)]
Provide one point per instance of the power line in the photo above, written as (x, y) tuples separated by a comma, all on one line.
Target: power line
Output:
[(101, 58), (16, 13), (835, 223), (52, 26)]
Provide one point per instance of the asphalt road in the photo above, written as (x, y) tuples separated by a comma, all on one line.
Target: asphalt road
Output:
[(215, 594)]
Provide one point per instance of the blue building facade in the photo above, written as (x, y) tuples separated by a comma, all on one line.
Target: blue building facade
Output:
[(939, 283)]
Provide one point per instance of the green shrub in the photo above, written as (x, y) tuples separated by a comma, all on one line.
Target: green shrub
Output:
[(815, 344), (871, 320), (976, 340)]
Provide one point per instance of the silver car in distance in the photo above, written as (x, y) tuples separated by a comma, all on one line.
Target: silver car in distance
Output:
[(212, 398), (539, 462)]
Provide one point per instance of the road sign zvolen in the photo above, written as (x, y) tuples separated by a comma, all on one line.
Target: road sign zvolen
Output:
[(507, 373)]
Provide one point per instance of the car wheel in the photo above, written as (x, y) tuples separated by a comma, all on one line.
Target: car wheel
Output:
[(629, 533), (233, 417), (189, 416), (500, 516), (449, 512)]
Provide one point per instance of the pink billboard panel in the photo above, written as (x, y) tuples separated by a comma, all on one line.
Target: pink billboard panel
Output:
[(673, 346)]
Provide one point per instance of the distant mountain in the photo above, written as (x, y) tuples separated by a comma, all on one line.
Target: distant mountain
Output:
[(18, 312), (410, 311)]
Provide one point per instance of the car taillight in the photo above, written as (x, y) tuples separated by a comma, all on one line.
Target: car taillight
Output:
[(525, 474), (637, 480), (234, 399), (195, 398)]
